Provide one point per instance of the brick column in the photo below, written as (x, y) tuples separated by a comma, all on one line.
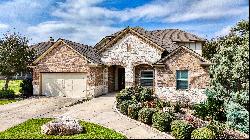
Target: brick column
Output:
[(129, 76)]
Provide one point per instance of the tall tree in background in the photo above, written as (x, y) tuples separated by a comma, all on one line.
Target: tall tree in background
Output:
[(15, 55)]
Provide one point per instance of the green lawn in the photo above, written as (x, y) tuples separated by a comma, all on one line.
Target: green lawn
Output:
[(2, 102), (13, 84), (31, 129)]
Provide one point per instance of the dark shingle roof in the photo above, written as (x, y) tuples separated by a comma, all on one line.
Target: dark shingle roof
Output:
[(87, 51), (164, 38), (40, 48)]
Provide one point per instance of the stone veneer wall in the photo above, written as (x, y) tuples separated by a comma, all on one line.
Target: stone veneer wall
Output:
[(64, 59), (166, 76), (129, 52)]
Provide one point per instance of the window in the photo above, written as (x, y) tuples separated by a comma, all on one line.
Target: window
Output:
[(182, 79), (147, 77)]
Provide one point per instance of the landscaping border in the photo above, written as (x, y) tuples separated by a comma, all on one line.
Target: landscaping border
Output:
[(140, 123)]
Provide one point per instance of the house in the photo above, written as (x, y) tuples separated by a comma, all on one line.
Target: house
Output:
[(165, 60)]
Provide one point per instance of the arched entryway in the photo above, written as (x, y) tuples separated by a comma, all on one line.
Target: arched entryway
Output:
[(116, 78)]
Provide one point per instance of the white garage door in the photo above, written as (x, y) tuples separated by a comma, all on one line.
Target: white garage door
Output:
[(64, 84)]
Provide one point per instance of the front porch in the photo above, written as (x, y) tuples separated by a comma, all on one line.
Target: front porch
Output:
[(120, 77)]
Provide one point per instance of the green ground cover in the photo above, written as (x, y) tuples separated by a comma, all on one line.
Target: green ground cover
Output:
[(3, 101), (31, 129)]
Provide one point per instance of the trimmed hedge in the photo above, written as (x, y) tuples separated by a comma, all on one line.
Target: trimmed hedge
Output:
[(26, 88), (145, 95), (7, 93), (203, 133), (123, 106), (123, 96), (181, 129), (145, 115), (133, 111), (217, 127), (162, 120)]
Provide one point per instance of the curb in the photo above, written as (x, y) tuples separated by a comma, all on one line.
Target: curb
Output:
[(140, 123)]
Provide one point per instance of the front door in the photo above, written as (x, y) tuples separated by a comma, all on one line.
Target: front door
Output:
[(121, 78)]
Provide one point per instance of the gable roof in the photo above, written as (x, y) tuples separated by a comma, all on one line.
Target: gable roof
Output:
[(86, 51), (203, 60), (40, 48), (121, 34), (165, 39)]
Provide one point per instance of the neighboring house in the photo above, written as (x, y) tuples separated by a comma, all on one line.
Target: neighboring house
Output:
[(166, 60), (20, 76)]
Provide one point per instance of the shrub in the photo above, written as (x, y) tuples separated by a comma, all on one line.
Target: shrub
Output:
[(123, 106), (200, 110), (7, 93), (145, 115), (237, 117), (162, 120), (26, 87), (167, 104), (176, 106), (217, 127), (149, 104), (122, 96), (133, 110), (181, 129), (145, 95), (202, 133), (159, 103)]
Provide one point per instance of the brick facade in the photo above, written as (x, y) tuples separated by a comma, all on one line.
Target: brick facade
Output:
[(198, 78), (63, 59), (132, 53), (183, 60)]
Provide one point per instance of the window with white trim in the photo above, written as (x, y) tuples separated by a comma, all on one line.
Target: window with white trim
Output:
[(147, 78), (182, 79)]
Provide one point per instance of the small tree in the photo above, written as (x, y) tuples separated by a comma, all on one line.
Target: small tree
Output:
[(15, 55)]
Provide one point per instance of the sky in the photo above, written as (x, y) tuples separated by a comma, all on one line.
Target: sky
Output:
[(88, 21)]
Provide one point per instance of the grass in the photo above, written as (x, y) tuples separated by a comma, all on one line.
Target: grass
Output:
[(31, 129), (13, 84), (2, 102)]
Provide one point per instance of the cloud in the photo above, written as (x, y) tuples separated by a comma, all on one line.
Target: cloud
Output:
[(212, 9), (87, 22), (22, 10), (224, 31), (87, 34), (3, 26)]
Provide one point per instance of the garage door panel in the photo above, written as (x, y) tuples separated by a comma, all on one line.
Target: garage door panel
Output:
[(64, 84)]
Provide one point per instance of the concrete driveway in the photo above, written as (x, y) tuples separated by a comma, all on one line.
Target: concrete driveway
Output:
[(99, 110), (18, 112)]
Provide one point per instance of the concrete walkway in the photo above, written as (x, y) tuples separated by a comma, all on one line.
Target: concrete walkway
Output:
[(101, 110)]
